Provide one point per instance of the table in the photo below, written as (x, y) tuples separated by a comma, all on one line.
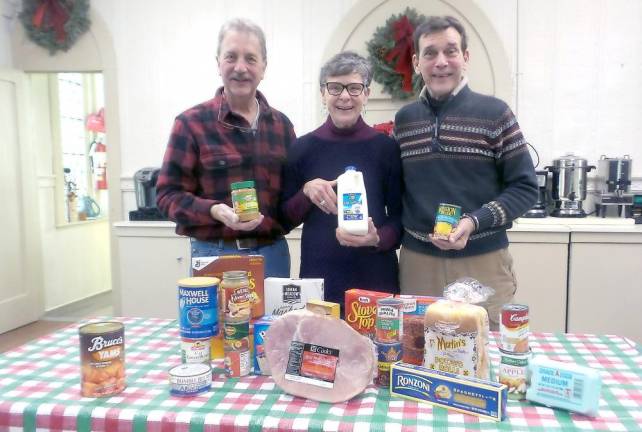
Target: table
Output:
[(40, 390)]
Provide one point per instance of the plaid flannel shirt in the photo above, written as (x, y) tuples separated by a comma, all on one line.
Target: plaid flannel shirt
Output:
[(211, 147)]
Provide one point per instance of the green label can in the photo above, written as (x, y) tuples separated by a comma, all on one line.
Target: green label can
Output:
[(448, 216), (513, 368), (245, 201)]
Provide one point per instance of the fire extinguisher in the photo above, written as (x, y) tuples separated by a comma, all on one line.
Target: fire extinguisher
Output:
[(99, 162)]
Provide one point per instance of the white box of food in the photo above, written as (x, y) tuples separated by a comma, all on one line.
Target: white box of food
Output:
[(285, 294)]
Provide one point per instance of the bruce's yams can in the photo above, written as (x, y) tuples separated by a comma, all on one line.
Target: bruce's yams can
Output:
[(102, 359)]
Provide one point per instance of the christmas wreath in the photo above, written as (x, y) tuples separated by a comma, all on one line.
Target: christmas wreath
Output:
[(390, 52), (55, 24)]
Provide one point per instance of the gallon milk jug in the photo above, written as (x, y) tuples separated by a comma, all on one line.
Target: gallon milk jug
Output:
[(352, 202)]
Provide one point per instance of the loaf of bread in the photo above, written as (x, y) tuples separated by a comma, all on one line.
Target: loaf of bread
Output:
[(456, 335)]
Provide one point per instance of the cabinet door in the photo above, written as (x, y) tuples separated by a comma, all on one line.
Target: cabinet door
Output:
[(541, 270), (605, 289), (149, 270)]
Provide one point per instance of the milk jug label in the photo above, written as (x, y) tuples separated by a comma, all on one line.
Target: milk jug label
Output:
[(352, 204)]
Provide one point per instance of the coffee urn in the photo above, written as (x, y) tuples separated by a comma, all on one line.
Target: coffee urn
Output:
[(614, 181), (569, 185)]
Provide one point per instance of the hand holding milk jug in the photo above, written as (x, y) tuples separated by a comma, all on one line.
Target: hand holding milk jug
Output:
[(352, 202)]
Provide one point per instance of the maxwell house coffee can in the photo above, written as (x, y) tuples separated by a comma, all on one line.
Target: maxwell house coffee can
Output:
[(198, 307)]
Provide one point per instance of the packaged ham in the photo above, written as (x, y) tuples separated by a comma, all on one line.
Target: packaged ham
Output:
[(456, 331), (319, 357)]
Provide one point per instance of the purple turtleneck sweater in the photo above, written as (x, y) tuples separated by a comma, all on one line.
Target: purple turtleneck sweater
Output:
[(325, 153)]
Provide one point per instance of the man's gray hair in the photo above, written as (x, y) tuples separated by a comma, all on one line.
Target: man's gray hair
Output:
[(345, 63), (242, 25)]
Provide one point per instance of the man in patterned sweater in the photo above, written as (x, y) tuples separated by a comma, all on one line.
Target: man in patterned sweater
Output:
[(459, 147)]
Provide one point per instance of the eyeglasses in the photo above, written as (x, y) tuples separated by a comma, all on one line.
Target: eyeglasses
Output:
[(336, 88)]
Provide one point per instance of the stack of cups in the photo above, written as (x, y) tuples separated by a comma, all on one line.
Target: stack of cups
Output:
[(238, 361), (388, 332), (514, 349)]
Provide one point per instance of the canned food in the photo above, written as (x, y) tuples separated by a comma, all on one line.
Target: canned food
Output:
[(261, 366), (448, 216), (514, 328), (102, 359), (513, 369), (196, 350), (387, 354), (190, 379), (236, 292), (236, 332), (197, 307), (244, 200), (388, 325), (237, 363)]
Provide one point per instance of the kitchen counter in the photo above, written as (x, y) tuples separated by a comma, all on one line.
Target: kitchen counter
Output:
[(576, 274)]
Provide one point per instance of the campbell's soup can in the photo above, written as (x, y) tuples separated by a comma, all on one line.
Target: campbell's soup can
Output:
[(514, 328), (198, 307), (102, 359)]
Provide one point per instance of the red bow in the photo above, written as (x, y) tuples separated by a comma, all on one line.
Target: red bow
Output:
[(52, 14), (403, 51), (386, 128)]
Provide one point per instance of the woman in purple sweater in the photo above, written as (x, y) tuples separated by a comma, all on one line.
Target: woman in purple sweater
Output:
[(344, 260)]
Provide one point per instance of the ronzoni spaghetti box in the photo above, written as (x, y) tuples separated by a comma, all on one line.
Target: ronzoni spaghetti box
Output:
[(482, 398)]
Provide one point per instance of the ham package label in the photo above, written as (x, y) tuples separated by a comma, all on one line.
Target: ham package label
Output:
[(312, 364)]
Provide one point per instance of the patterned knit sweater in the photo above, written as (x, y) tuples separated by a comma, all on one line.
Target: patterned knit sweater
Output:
[(472, 154)]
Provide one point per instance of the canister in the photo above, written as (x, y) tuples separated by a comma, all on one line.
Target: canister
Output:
[(387, 354), (448, 216), (198, 307), (102, 359), (388, 324), (244, 200), (513, 370), (190, 379)]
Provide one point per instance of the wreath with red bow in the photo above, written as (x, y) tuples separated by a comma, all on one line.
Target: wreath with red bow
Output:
[(390, 52), (55, 24)]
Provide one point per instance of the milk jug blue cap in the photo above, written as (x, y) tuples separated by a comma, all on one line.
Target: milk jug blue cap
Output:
[(350, 168)]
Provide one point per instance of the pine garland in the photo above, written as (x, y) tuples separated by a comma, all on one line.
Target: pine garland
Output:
[(55, 24), (380, 49)]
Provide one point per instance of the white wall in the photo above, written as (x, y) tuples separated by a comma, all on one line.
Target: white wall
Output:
[(8, 10), (576, 66), (580, 77)]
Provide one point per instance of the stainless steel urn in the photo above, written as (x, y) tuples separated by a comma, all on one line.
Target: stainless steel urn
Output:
[(569, 185)]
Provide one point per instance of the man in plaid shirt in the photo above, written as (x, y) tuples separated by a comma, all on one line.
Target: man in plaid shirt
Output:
[(234, 137)]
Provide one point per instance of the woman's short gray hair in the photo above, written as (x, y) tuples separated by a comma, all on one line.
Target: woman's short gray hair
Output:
[(242, 25), (345, 63)]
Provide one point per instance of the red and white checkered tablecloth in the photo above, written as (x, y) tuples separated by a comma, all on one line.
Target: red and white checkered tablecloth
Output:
[(40, 390)]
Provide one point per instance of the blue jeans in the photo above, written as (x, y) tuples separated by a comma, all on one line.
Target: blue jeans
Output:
[(276, 256)]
